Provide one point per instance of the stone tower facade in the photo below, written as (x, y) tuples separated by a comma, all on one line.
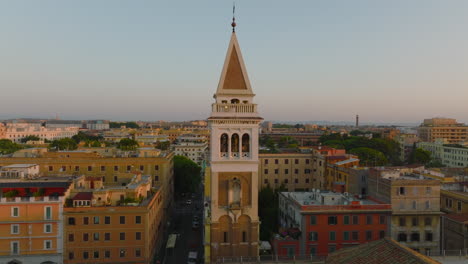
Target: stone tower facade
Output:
[(233, 171)]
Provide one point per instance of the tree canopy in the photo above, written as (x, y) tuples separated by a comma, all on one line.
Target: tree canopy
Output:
[(63, 144), (81, 136), (186, 175), (268, 211), (29, 138), (420, 156), (7, 146), (163, 145), (126, 124), (127, 144)]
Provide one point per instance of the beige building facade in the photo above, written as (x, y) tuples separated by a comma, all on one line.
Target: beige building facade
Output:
[(445, 128)]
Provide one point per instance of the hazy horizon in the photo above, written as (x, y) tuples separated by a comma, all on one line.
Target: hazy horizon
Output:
[(389, 62)]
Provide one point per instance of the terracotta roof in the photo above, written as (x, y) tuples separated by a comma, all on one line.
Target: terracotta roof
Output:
[(83, 196), (458, 217), (384, 251)]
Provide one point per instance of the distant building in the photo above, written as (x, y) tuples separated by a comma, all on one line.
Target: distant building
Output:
[(31, 220), (415, 201), (320, 222), (17, 131), (406, 144), (15, 172), (192, 146), (454, 198), (291, 170), (322, 156), (451, 155), (445, 128), (113, 223), (383, 251), (97, 124), (57, 123), (336, 178)]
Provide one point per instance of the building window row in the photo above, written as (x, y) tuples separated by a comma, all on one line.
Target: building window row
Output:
[(96, 254), (350, 219), (107, 220), (102, 168)]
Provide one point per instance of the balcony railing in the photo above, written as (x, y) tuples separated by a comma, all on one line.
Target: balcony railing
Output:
[(235, 108)]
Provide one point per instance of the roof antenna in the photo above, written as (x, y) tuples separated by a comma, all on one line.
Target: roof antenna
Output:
[(233, 24)]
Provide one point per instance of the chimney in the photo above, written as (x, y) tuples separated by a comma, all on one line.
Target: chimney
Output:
[(357, 120)]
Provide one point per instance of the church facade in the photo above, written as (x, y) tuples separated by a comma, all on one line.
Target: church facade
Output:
[(231, 180)]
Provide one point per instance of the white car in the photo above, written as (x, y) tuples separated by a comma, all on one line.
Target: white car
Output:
[(189, 202)]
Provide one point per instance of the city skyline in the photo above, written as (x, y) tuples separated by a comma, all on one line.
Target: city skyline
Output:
[(398, 62)]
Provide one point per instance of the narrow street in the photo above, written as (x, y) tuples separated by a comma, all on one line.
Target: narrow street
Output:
[(189, 238)]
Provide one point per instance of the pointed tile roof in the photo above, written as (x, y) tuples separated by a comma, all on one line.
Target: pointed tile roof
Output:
[(234, 79)]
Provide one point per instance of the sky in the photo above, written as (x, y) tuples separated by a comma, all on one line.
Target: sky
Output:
[(388, 61)]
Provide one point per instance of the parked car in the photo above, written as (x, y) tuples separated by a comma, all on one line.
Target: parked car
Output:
[(189, 202)]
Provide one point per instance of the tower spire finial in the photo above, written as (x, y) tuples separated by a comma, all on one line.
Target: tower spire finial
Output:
[(233, 24)]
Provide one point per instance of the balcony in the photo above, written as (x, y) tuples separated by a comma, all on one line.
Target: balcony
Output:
[(234, 108)]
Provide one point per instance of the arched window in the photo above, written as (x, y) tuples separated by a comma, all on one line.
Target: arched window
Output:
[(245, 143), (235, 101), (235, 143), (224, 142)]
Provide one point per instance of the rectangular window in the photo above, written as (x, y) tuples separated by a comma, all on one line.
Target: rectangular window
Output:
[(103, 168), (77, 168), (142, 167), (107, 254), (15, 211), (296, 171), (64, 168), (96, 220), (401, 191), (414, 221), (122, 253), (427, 221), (107, 220), (286, 161), (85, 237), (225, 237), (14, 229), (355, 220), (71, 220), (90, 168), (47, 228), (85, 220), (286, 171), (382, 219), (296, 161), (137, 252), (276, 171), (122, 235), (332, 220), (129, 168), (156, 167), (402, 221), (138, 219), (71, 237), (244, 236), (368, 235), (313, 219), (381, 234), (307, 180), (313, 251), (276, 180), (296, 180), (355, 235), (48, 213), (369, 219), (332, 235), (307, 161), (71, 255), (138, 235), (85, 255), (265, 181), (156, 178), (51, 168), (286, 180), (47, 244), (14, 247), (346, 235), (266, 171), (107, 236), (116, 168), (346, 219), (276, 161), (459, 206), (331, 249), (428, 190), (96, 254), (266, 161), (313, 236), (428, 236), (122, 220)]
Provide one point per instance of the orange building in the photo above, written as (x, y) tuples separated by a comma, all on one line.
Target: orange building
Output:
[(113, 224), (31, 221)]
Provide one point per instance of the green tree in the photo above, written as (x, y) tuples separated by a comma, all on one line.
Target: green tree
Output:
[(7, 146), (186, 175), (81, 136), (127, 144), (369, 157), (163, 145), (63, 144), (420, 156), (126, 124), (268, 211), (28, 138)]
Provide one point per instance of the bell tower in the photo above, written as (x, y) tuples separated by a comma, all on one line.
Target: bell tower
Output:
[(233, 172)]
